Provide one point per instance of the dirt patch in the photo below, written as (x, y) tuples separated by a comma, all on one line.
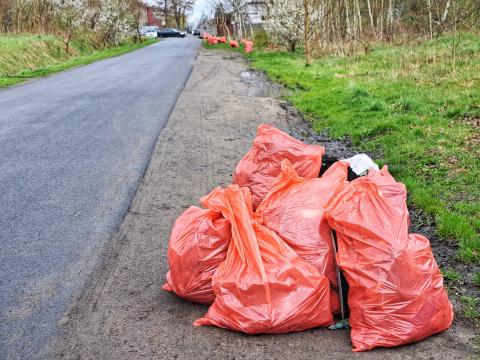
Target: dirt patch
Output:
[(123, 313), (474, 122), (259, 86), (473, 142)]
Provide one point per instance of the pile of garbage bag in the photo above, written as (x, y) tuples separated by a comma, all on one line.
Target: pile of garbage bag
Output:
[(271, 252), (213, 40)]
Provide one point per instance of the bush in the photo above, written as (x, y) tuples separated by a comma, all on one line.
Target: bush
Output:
[(261, 38)]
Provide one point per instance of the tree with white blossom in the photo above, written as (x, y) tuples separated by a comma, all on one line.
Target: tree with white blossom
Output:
[(70, 16), (114, 21), (285, 22)]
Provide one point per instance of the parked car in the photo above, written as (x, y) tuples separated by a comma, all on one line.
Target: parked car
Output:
[(143, 29), (151, 33), (196, 32), (170, 33)]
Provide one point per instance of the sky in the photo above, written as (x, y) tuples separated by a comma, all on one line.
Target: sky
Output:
[(200, 6)]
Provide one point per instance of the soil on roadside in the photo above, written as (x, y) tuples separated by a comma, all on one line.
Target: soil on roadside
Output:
[(124, 314)]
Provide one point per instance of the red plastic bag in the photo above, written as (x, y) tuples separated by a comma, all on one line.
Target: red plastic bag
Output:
[(248, 46), (394, 191), (396, 293), (295, 209), (263, 286), (261, 165), (234, 44), (198, 244), (212, 40)]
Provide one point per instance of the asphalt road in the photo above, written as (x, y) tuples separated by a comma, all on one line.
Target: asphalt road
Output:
[(73, 148)]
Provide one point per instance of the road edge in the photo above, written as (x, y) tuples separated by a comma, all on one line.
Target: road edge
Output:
[(108, 254)]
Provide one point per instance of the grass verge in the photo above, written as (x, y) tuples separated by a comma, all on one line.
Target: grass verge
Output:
[(24, 57), (414, 107)]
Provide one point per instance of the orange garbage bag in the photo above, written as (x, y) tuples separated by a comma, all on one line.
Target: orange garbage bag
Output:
[(263, 286), (234, 44), (295, 209), (261, 165), (198, 244), (396, 294), (248, 46), (394, 191)]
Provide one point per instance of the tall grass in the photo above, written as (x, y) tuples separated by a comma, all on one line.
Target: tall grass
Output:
[(26, 56)]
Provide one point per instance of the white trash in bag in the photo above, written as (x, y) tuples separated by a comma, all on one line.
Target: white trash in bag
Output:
[(361, 163)]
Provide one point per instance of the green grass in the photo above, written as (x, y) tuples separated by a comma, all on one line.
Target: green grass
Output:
[(412, 108), (476, 278), (471, 307), (24, 57), (450, 275)]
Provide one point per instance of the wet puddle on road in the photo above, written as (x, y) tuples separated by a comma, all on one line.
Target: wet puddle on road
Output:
[(260, 86)]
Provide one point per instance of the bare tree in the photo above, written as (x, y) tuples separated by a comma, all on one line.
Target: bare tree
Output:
[(430, 18), (165, 5), (137, 9), (306, 32), (239, 8), (224, 20), (179, 10), (390, 20), (370, 15)]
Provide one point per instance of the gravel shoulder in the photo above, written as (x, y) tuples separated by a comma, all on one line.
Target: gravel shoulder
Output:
[(124, 314)]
